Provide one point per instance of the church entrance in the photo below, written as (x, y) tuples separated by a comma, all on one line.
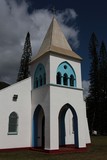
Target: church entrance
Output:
[(68, 126), (39, 127)]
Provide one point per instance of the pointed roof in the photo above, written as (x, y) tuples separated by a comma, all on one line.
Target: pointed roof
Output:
[(55, 41)]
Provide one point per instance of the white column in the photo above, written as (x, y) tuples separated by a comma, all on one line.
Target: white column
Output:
[(47, 132), (51, 131), (54, 132)]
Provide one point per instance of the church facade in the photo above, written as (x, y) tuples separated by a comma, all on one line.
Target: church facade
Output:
[(46, 110)]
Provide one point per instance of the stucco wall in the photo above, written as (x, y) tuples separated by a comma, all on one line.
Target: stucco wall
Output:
[(62, 96), (23, 109), (53, 97), (54, 63), (46, 63), (41, 96), (51, 62)]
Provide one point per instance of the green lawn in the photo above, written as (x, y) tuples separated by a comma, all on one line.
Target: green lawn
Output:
[(97, 151)]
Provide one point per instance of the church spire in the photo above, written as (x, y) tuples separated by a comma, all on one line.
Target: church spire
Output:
[(55, 41)]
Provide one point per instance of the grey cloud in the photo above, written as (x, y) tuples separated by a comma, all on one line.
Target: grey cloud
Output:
[(86, 88), (15, 22)]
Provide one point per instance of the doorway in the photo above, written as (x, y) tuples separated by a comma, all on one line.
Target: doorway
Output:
[(38, 127), (63, 124)]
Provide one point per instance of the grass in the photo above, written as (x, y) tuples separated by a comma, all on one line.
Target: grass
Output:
[(97, 151)]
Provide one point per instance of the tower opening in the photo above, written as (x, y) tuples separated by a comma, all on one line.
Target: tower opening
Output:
[(73, 126), (38, 127)]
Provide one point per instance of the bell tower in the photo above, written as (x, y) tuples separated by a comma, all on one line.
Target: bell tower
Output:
[(58, 108)]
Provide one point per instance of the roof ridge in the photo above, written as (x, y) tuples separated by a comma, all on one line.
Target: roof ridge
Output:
[(51, 34)]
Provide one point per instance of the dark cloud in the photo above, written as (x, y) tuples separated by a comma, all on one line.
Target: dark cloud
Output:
[(15, 22)]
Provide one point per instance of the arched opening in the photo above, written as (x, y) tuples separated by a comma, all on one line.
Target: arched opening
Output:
[(71, 80), (44, 78), (65, 75), (39, 76), (36, 83), (13, 123), (72, 126), (58, 78), (38, 139), (40, 80), (65, 79)]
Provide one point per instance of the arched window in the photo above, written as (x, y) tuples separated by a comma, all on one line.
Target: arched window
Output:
[(58, 78), (40, 80), (71, 80), (39, 76), (66, 75), (44, 78), (65, 79), (13, 123), (36, 83)]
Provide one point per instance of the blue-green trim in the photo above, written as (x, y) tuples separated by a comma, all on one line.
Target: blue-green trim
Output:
[(39, 76), (35, 125), (62, 124), (66, 68), (60, 86)]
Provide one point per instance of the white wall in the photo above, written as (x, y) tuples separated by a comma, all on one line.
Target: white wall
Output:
[(23, 108), (51, 62), (46, 63), (41, 96), (61, 96), (69, 132), (53, 97), (54, 63)]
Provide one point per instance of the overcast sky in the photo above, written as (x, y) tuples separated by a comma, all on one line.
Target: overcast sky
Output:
[(16, 21)]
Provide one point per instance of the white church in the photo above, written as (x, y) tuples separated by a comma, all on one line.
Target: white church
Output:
[(47, 109)]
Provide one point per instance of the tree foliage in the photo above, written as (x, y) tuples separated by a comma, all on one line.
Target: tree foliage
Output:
[(93, 45), (26, 58), (3, 85), (97, 99)]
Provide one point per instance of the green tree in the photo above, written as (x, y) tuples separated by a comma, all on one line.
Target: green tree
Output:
[(103, 89), (92, 99), (93, 89), (97, 99), (26, 58), (103, 70)]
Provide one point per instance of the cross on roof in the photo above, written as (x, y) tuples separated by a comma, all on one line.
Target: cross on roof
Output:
[(53, 10)]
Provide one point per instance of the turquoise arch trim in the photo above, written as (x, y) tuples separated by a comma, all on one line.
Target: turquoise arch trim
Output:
[(39, 76), (62, 125), (66, 68), (35, 126)]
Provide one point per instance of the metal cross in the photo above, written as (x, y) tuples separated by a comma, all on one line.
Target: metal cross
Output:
[(53, 10)]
